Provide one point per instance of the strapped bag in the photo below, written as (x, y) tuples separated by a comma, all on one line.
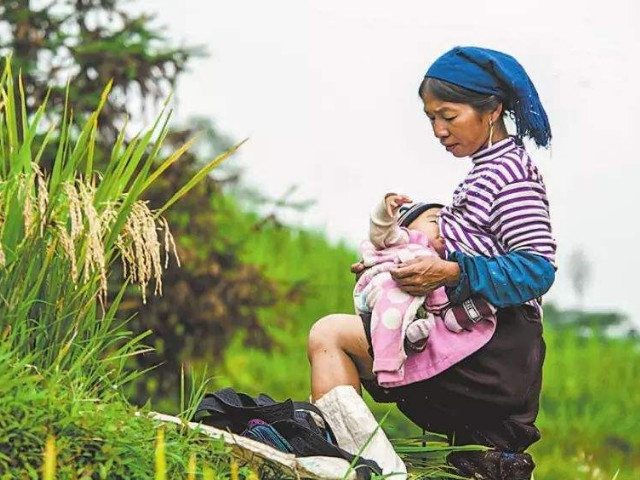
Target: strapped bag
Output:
[(293, 427)]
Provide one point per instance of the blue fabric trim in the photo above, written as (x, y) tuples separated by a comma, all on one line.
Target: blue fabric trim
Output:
[(506, 280), (462, 291)]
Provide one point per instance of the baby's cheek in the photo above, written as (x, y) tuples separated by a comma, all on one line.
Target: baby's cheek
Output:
[(433, 235), (438, 245)]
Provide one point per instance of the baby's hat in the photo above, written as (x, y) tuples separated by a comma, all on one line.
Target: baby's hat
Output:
[(408, 212)]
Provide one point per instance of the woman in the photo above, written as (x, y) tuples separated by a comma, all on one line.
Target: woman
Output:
[(499, 243)]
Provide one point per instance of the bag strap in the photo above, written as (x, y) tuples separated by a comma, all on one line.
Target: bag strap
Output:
[(305, 442), (306, 406), (227, 407), (239, 408)]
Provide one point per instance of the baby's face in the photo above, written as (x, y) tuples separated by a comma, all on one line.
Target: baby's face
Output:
[(427, 223)]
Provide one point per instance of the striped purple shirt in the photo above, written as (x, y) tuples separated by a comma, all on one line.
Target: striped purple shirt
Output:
[(500, 207)]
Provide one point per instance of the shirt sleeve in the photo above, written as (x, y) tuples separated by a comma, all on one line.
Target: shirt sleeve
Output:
[(506, 280), (520, 220)]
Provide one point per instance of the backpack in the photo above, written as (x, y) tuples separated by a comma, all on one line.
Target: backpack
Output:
[(299, 428)]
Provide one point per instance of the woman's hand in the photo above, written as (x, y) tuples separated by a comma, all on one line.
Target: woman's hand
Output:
[(423, 275)]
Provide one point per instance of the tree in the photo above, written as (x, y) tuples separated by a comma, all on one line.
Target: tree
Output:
[(579, 273), (88, 43)]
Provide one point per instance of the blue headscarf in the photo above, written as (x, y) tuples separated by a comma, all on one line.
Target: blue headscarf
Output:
[(496, 73)]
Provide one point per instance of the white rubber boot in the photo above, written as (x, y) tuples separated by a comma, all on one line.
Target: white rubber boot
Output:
[(353, 423)]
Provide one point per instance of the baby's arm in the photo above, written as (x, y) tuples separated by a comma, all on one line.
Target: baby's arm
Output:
[(383, 230), (465, 315)]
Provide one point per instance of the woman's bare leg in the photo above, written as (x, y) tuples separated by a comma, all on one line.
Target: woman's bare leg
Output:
[(337, 351)]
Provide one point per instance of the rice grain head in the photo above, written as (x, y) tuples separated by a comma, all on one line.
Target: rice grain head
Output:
[(94, 261), (68, 247), (140, 247), (75, 209), (81, 226), (169, 243), (43, 198), (27, 208)]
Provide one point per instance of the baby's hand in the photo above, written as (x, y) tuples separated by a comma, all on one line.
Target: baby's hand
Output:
[(393, 202)]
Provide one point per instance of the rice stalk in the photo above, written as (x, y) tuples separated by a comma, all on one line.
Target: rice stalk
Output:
[(160, 456), (191, 467), (49, 465), (234, 470), (208, 473)]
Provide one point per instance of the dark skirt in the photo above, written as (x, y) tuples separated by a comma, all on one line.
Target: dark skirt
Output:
[(491, 397)]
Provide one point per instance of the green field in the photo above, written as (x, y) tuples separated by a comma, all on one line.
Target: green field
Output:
[(590, 410)]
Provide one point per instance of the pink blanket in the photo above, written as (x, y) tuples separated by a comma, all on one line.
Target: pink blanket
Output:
[(392, 310)]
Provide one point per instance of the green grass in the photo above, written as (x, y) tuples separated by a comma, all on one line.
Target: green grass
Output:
[(589, 416), (97, 437)]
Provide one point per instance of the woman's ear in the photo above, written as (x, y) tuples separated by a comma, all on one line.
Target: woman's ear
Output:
[(497, 113)]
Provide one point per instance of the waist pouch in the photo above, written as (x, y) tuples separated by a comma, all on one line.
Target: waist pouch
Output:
[(301, 424)]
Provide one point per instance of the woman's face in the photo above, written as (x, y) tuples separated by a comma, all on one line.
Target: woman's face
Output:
[(460, 128)]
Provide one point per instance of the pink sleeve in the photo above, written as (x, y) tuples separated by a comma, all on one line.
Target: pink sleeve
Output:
[(384, 232)]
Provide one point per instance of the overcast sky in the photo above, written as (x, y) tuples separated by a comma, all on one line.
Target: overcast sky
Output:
[(327, 93)]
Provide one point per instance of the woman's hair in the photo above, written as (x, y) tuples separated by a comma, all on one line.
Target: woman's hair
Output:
[(448, 92)]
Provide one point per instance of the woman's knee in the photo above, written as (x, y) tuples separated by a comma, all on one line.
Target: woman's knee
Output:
[(337, 330), (341, 332), (325, 333)]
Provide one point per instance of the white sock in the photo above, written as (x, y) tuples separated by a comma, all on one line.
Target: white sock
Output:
[(419, 329), (354, 425)]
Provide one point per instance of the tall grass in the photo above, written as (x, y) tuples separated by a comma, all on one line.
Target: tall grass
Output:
[(63, 349), (57, 429), (60, 232)]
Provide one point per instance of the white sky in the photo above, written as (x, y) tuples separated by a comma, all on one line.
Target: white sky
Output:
[(327, 93)]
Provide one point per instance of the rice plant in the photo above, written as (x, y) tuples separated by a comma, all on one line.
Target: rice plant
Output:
[(63, 349), (61, 230)]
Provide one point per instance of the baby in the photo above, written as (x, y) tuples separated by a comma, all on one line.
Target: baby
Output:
[(400, 231)]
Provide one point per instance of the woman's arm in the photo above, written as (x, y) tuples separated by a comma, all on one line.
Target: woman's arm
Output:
[(520, 222), (507, 280), (504, 281)]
